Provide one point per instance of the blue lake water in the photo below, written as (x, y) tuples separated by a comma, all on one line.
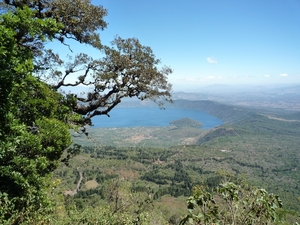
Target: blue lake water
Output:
[(152, 117)]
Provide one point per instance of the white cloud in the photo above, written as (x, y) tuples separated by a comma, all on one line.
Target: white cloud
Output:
[(211, 60), (283, 75), (185, 79), (210, 77), (266, 75), (190, 79)]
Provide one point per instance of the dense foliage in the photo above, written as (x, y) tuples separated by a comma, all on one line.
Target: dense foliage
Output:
[(35, 117), (186, 122), (32, 137), (232, 204)]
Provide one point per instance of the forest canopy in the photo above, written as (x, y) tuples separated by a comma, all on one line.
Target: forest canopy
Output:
[(186, 122)]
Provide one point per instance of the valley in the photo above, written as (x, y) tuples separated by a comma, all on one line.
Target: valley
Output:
[(167, 162)]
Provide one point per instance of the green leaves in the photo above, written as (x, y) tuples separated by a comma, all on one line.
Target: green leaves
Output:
[(34, 117), (29, 31), (201, 207), (55, 137), (32, 139), (27, 161), (232, 204)]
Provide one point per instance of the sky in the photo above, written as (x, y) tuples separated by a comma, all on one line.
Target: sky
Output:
[(210, 42)]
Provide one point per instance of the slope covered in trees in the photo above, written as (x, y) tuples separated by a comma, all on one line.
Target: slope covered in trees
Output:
[(35, 119), (257, 151), (228, 113)]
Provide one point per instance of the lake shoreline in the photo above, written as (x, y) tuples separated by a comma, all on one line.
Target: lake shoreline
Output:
[(153, 117)]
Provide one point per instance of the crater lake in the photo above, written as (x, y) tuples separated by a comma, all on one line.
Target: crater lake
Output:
[(152, 117)]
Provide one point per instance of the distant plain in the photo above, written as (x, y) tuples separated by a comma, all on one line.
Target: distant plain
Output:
[(258, 144)]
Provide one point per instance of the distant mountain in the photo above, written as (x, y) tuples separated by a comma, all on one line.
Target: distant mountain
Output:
[(227, 113), (288, 89), (293, 116), (243, 88), (268, 97)]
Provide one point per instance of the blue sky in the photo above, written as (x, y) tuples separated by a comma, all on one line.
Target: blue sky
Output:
[(213, 41)]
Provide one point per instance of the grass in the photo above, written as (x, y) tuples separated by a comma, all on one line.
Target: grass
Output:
[(90, 185)]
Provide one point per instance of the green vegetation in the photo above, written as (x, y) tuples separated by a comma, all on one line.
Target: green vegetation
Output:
[(35, 118), (124, 176), (32, 133), (232, 204), (186, 122), (257, 151), (228, 113)]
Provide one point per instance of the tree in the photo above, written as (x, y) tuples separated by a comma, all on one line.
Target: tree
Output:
[(80, 20), (127, 69), (35, 117), (30, 144), (232, 204), (120, 206)]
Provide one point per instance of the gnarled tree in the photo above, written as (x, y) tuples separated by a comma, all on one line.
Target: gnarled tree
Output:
[(34, 115), (126, 69)]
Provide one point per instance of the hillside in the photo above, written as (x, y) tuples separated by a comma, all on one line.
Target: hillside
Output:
[(227, 113), (281, 97), (168, 162), (186, 122)]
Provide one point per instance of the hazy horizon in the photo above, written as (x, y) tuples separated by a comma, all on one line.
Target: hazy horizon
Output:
[(210, 87), (190, 88)]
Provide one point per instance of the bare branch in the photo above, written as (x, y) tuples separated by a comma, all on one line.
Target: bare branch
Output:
[(129, 72)]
